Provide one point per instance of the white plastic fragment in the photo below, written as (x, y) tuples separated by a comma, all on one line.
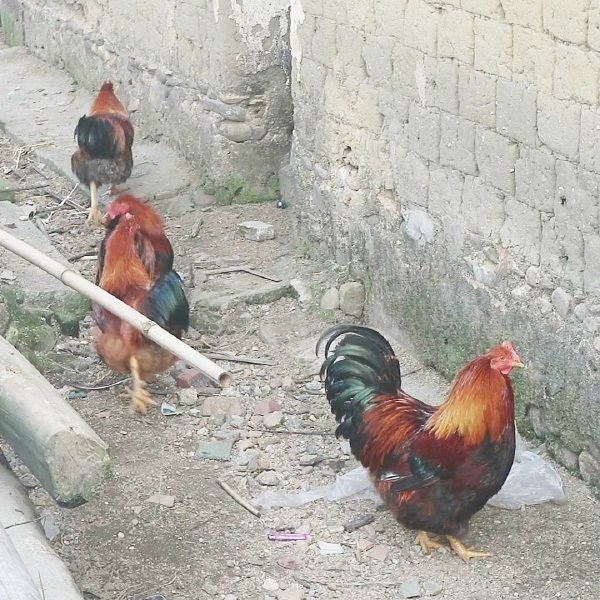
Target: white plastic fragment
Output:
[(330, 548)]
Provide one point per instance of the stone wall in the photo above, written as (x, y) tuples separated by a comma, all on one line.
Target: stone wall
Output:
[(210, 76), (449, 152)]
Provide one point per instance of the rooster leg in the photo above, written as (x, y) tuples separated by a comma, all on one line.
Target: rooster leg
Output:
[(426, 542), (115, 191), (465, 553), (95, 216), (138, 393)]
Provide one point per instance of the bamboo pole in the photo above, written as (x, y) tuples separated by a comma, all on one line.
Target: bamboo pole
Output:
[(149, 328)]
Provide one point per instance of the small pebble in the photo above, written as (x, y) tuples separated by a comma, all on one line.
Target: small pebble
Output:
[(273, 419), (268, 478), (411, 588), (379, 552), (431, 588), (270, 585)]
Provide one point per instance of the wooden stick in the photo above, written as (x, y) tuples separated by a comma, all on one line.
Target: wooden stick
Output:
[(148, 327), (243, 270), (239, 499), (239, 359)]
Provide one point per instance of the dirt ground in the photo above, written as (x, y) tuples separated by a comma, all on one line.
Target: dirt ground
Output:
[(121, 546)]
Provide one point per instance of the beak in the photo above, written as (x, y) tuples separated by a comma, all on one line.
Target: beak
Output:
[(518, 365)]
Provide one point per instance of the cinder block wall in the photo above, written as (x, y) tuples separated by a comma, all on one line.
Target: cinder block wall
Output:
[(210, 76), (449, 151)]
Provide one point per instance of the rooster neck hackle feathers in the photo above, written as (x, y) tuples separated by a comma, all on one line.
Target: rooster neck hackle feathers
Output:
[(107, 103), (481, 402)]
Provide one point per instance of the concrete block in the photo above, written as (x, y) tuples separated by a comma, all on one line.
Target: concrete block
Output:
[(535, 179), (482, 208), (496, 156), (522, 230), (561, 251), (576, 196), (406, 62), (477, 96), (312, 7), (493, 47), (445, 191), (594, 25), (361, 16), (424, 131), (567, 21), (591, 280), (534, 56), (389, 17), (411, 177), (589, 146), (324, 49), (377, 56), (575, 218), (576, 74), (365, 113), (349, 46), (442, 84), (456, 36), (558, 125), (457, 144), (421, 22), (487, 8), (527, 13), (335, 10), (516, 112)]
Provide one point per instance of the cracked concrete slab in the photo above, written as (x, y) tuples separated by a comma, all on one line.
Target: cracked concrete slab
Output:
[(40, 106)]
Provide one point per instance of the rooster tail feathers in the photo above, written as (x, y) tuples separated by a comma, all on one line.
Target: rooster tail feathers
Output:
[(96, 137), (167, 305), (362, 367)]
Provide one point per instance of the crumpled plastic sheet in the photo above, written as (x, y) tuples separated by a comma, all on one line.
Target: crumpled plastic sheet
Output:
[(532, 480)]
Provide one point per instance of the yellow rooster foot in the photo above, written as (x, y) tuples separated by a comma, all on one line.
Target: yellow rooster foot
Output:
[(139, 397), (94, 218), (115, 191), (465, 553), (426, 543)]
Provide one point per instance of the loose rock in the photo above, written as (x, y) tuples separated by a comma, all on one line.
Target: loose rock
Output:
[(411, 588), (268, 478), (270, 585), (257, 230), (562, 301), (352, 298), (273, 419), (364, 544), (214, 406), (330, 299), (379, 552), (187, 397), (162, 499), (291, 594), (265, 407), (431, 588), (589, 468)]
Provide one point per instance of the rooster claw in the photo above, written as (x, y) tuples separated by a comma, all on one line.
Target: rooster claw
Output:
[(115, 191), (426, 543), (465, 553), (140, 399)]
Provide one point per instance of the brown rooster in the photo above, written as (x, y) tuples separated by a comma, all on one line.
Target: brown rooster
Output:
[(434, 466), (104, 155), (135, 265)]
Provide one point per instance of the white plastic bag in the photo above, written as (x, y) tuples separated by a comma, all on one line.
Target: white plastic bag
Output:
[(532, 480)]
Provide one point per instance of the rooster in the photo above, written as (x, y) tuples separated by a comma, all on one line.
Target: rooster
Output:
[(135, 265), (154, 247), (104, 155), (433, 466)]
